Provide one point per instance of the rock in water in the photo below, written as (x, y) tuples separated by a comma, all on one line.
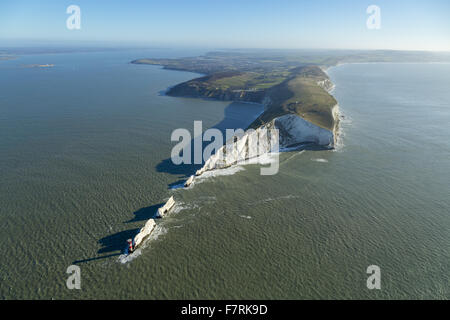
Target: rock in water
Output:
[(189, 181), (165, 208), (144, 232)]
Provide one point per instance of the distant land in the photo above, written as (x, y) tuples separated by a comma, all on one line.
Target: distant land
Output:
[(7, 57), (38, 65), (270, 60), (17, 51)]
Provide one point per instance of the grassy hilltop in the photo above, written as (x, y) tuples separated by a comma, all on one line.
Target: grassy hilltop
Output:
[(301, 94)]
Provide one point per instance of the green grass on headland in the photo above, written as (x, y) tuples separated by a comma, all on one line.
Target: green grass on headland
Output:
[(300, 94)]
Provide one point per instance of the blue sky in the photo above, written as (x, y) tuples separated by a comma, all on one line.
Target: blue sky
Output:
[(409, 25)]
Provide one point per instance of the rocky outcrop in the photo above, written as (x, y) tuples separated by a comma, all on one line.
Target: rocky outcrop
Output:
[(144, 232), (326, 84), (189, 181), (166, 207), (150, 225)]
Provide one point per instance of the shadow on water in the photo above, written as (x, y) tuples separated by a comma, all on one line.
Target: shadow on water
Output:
[(306, 145), (118, 241), (237, 115), (145, 213), (96, 258), (112, 243)]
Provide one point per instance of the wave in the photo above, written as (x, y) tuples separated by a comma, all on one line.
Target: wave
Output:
[(289, 196), (344, 122), (217, 173)]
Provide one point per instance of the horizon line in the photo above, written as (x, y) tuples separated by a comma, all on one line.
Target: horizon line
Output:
[(110, 45)]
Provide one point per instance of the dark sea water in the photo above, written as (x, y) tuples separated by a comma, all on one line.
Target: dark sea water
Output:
[(84, 163)]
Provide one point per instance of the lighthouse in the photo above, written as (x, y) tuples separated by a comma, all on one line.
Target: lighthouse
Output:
[(130, 245)]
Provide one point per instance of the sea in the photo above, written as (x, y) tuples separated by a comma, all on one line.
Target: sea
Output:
[(85, 160)]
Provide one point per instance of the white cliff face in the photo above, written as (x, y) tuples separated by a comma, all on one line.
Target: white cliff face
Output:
[(252, 144), (326, 84), (144, 232), (291, 130), (295, 130)]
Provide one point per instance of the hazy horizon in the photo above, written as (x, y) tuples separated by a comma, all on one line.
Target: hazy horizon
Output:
[(403, 25), (121, 46)]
